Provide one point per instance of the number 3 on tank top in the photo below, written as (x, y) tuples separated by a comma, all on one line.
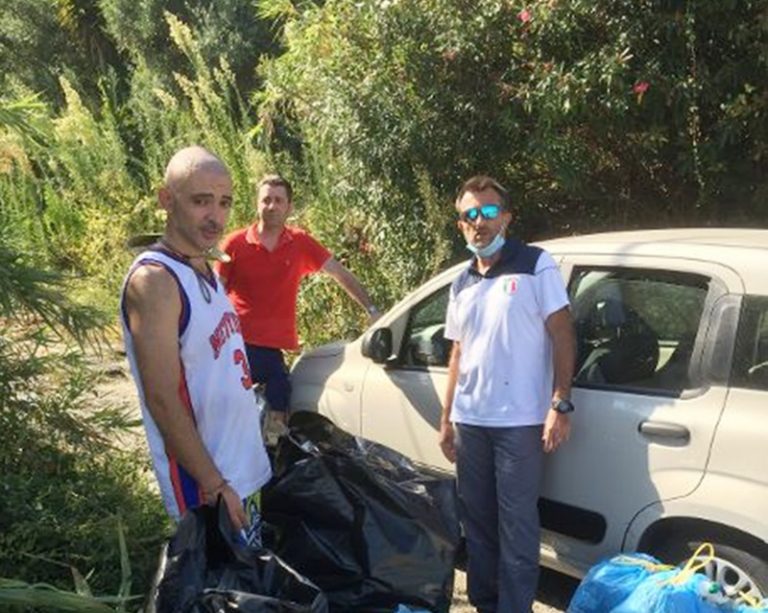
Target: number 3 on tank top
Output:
[(243, 362)]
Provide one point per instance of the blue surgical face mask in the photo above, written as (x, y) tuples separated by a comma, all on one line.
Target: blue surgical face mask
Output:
[(491, 248)]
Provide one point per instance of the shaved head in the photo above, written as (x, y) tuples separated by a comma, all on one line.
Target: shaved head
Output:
[(189, 160), (197, 197)]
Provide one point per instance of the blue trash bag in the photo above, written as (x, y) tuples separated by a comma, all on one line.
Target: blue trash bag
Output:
[(660, 593), (405, 609), (610, 582)]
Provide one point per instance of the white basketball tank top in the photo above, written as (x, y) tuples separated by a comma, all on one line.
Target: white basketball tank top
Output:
[(215, 388)]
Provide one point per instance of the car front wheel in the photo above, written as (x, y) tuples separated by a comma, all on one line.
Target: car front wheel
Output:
[(741, 574)]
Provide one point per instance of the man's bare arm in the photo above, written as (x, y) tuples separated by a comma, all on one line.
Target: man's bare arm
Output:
[(557, 426), (447, 435), (154, 307), (560, 327), (351, 285)]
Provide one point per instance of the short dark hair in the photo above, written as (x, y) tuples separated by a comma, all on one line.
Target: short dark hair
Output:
[(276, 180), (480, 183)]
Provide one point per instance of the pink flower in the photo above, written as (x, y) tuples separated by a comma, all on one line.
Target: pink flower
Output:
[(524, 15), (641, 87)]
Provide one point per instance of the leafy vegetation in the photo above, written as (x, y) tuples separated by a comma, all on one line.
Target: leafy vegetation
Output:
[(66, 479), (597, 114)]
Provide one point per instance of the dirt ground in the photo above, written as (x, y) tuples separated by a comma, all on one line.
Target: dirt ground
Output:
[(555, 591), (116, 387)]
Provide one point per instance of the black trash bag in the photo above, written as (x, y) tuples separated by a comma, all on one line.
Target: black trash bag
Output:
[(206, 569), (361, 521)]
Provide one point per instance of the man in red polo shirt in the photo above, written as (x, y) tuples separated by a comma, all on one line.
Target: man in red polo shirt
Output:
[(268, 261)]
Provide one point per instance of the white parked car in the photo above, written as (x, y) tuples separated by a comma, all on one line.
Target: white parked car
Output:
[(670, 432)]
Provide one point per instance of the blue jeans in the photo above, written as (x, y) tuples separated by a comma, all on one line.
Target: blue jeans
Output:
[(499, 477), (268, 367)]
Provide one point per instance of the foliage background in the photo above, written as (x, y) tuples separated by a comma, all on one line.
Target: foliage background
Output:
[(597, 114)]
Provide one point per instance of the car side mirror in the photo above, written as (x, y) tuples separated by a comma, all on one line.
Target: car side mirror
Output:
[(378, 345)]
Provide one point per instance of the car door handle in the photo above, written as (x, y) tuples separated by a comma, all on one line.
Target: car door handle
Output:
[(663, 429)]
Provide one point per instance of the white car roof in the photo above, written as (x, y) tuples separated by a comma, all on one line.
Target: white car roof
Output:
[(743, 250), (707, 237)]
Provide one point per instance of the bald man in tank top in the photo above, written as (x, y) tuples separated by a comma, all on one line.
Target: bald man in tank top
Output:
[(187, 355)]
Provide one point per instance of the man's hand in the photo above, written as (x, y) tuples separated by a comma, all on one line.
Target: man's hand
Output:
[(234, 507), (446, 441), (232, 501), (557, 429)]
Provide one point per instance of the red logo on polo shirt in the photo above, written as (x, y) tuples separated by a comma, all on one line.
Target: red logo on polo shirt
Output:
[(510, 285)]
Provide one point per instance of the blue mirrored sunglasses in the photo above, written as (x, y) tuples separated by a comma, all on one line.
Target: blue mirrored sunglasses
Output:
[(486, 211)]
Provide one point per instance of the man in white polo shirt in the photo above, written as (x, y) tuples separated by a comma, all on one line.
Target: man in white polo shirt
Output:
[(508, 395)]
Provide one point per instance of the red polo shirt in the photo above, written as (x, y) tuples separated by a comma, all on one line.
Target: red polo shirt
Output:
[(263, 285)]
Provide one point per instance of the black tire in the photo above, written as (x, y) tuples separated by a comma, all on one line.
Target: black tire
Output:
[(735, 568)]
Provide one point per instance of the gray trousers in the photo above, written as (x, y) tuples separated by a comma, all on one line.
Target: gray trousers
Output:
[(499, 478)]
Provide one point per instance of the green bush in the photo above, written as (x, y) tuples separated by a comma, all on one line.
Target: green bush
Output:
[(67, 477), (222, 28), (596, 114), (76, 184), (66, 512), (42, 40)]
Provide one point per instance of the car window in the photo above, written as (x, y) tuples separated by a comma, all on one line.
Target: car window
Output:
[(425, 343), (750, 359), (635, 328)]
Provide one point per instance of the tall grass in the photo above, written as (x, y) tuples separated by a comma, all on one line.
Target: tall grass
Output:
[(25, 596), (64, 476), (75, 184)]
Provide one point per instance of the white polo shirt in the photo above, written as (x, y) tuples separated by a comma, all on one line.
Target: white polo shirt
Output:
[(505, 370)]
